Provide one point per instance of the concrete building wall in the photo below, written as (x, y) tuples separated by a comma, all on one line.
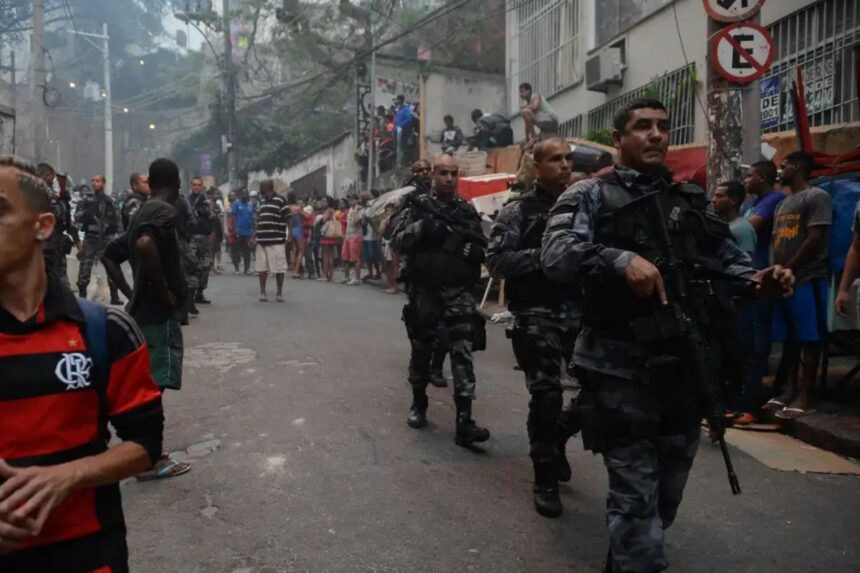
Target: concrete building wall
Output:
[(341, 170), (457, 95), (653, 47), (446, 91)]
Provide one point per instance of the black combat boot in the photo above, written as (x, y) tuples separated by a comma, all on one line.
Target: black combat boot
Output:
[(114, 297), (468, 432), (417, 417), (200, 299), (547, 502), (82, 292)]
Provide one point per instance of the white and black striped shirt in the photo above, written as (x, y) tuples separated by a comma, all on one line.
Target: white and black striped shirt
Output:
[(272, 216)]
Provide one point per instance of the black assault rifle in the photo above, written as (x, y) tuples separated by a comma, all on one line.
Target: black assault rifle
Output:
[(456, 225), (678, 319)]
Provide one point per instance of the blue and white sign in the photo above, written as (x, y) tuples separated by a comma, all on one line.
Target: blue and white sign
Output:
[(770, 102)]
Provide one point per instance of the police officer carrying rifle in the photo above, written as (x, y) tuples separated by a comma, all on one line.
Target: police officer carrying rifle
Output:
[(99, 218), (441, 236), (546, 315), (658, 271), (422, 180)]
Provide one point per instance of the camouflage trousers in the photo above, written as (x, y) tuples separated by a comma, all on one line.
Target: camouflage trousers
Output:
[(541, 343), (93, 249), (439, 316), (196, 261), (648, 456)]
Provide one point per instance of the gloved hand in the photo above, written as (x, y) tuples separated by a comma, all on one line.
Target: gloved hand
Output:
[(473, 253), (432, 229)]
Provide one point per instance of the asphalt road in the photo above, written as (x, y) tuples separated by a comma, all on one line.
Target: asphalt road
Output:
[(295, 418)]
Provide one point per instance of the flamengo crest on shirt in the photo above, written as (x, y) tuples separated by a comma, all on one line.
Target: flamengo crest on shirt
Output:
[(73, 370)]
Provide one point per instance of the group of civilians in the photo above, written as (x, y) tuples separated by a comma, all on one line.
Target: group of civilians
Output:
[(307, 238), (785, 222)]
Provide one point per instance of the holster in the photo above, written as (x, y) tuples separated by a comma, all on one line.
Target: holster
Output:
[(592, 426), (479, 332), (410, 319)]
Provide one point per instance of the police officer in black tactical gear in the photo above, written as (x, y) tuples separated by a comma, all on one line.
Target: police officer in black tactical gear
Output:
[(627, 237), (99, 218), (139, 183), (442, 238), (546, 313), (422, 181)]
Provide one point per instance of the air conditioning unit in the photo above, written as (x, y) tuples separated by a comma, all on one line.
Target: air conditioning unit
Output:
[(604, 69)]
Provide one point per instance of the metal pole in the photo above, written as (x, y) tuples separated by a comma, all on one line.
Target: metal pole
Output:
[(371, 147), (230, 93), (108, 112), (752, 118), (37, 81), (725, 145)]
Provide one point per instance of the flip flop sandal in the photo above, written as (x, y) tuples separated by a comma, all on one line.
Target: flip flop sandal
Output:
[(793, 413), (171, 469), (773, 405)]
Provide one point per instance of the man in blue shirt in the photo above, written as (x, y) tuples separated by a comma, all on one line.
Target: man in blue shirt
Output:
[(759, 183), (243, 217)]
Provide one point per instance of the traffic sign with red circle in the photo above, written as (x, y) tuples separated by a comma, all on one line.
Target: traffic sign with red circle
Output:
[(729, 11), (742, 52)]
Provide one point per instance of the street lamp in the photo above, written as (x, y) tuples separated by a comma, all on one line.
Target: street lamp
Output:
[(73, 85), (125, 110), (151, 126)]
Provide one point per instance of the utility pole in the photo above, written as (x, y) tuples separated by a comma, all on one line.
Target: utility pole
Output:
[(371, 147), (371, 142), (230, 93), (725, 116), (751, 136), (104, 48), (38, 81), (108, 110)]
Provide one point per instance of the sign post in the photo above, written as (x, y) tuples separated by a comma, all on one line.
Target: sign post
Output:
[(740, 52)]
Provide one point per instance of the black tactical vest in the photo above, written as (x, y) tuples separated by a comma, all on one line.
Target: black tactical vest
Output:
[(534, 289), (625, 221), (441, 263)]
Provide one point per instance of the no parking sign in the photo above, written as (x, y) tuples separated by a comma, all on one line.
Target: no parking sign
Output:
[(742, 52)]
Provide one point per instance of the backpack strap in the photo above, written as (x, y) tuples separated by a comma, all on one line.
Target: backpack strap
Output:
[(95, 336)]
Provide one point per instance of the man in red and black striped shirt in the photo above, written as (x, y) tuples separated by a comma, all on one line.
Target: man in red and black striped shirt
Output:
[(65, 375)]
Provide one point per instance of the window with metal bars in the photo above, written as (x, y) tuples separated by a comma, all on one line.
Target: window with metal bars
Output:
[(675, 89), (543, 46), (819, 40)]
